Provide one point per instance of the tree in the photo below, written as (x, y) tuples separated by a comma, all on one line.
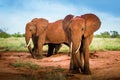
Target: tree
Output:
[(4, 34), (105, 34), (17, 34), (114, 34)]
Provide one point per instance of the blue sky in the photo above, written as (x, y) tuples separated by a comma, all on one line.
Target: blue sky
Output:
[(14, 14)]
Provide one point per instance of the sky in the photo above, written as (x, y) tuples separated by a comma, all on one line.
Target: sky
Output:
[(15, 14)]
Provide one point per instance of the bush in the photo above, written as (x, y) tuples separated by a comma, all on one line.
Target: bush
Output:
[(111, 34), (4, 35), (17, 35)]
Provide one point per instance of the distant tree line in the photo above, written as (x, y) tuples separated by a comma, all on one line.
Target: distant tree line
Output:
[(106, 34), (4, 34)]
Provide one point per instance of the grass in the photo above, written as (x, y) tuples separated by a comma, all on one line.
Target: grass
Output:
[(17, 44), (54, 74), (12, 44), (26, 65), (103, 44)]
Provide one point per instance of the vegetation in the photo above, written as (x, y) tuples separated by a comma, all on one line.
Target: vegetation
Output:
[(4, 34), (26, 65), (56, 73), (111, 34), (105, 44), (18, 44), (12, 44)]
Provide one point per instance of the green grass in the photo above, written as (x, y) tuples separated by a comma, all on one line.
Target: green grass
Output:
[(18, 44), (12, 44), (54, 74), (103, 44), (26, 65)]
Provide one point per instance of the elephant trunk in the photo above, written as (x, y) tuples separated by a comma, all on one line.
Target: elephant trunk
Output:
[(28, 46), (78, 47), (77, 56), (71, 46)]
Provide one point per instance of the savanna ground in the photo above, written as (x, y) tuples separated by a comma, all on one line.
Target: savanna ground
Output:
[(17, 64)]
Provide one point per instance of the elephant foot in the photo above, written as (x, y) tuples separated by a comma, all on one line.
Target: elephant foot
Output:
[(69, 54), (87, 72), (32, 55), (75, 71), (39, 56), (48, 55)]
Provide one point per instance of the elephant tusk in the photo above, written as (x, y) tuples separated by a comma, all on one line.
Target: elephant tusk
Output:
[(71, 44), (78, 48), (28, 44)]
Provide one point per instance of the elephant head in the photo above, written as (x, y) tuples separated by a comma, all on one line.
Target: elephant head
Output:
[(34, 29), (74, 28), (79, 30)]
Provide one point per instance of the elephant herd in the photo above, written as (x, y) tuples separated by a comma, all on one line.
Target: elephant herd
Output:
[(74, 31)]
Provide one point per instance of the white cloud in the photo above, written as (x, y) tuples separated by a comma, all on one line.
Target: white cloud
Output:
[(109, 22), (16, 19)]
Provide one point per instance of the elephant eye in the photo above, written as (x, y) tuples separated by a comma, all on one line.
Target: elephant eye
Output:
[(30, 30), (82, 29)]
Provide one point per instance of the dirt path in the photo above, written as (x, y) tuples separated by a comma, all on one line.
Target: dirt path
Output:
[(104, 66)]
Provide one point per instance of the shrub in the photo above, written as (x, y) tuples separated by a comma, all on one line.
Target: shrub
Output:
[(17, 35), (4, 35)]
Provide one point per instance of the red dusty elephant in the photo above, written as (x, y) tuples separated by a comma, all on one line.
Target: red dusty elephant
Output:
[(42, 33), (31, 31), (79, 31)]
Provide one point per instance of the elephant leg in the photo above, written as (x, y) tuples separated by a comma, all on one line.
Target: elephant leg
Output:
[(35, 48), (57, 48), (50, 49), (74, 67), (35, 43), (82, 61), (31, 51), (86, 57), (34, 51), (40, 47)]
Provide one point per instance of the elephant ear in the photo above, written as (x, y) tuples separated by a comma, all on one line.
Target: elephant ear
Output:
[(67, 20), (92, 24), (35, 20), (41, 26)]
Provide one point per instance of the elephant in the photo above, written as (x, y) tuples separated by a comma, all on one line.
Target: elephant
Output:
[(79, 31), (31, 32), (55, 34)]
